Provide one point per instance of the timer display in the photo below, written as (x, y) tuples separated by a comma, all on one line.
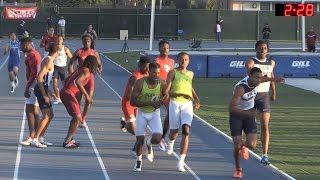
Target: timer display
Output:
[(294, 9)]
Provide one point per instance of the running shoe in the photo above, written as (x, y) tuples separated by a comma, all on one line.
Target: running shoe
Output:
[(36, 143), (71, 145), (180, 167), (244, 152), (237, 173), (43, 141), (137, 166), (123, 125), (265, 160), (26, 142)]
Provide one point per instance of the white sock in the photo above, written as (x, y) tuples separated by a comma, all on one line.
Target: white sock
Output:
[(172, 142), (139, 158), (12, 83), (182, 157), (264, 155)]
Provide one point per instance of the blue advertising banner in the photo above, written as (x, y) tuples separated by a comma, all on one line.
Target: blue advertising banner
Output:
[(227, 66), (297, 66), (287, 66)]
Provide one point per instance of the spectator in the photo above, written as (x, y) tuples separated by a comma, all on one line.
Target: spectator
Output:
[(50, 22), (92, 33), (266, 31), (61, 27), (218, 30), (311, 38)]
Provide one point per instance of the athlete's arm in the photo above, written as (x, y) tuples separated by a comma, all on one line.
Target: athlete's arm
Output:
[(45, 67), (196, 99), (233, 106), (6, 49), (71, 62), (163, 96), (170, 78), (273, 84), (99, 61), (32, 66), (249, 65), (68, 52), (131, 82), (83, 76)]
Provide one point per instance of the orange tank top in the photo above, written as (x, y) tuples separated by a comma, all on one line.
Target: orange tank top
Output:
[(166, 65), (82, 54)]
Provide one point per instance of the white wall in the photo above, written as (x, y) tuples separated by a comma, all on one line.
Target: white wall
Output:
[(246, 6)]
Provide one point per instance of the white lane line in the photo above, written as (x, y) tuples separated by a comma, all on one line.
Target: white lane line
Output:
[(282, 173), (95, 149), (176, 155), (4, 62), (103, 168), (18, 159)]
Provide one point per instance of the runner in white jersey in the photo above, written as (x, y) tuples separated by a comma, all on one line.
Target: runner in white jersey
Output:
[(60, 66), (41, 90), (262, 101)]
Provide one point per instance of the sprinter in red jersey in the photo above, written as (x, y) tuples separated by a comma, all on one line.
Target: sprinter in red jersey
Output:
[(73, 87)]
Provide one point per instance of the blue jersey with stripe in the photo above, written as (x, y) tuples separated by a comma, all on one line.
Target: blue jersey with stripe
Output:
[(14, 49)]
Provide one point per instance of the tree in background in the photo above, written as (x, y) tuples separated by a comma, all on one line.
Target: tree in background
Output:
[(211, 4)]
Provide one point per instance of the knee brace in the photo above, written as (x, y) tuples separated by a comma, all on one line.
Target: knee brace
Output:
[(185, 129)]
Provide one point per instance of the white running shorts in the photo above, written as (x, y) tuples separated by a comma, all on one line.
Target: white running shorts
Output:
[(153, 120), (180, 113), (32, 99)]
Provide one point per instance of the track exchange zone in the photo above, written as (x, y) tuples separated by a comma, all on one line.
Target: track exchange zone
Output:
[(105, 151)]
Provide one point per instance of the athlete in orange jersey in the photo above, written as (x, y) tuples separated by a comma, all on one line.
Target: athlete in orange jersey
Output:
[(166, 65), (129, 111)]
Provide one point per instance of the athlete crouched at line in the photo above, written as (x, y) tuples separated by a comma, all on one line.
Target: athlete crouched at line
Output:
[(72, 89)]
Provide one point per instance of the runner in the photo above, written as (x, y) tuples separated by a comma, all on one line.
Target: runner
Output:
[(13, 47), (74, 87), (41, 89), (147, 95), (60, 64), (182, 96), (79, 56), (32, 61), (243, 117), (129, 124), (48, 39), (262, 101), (166, 65)]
